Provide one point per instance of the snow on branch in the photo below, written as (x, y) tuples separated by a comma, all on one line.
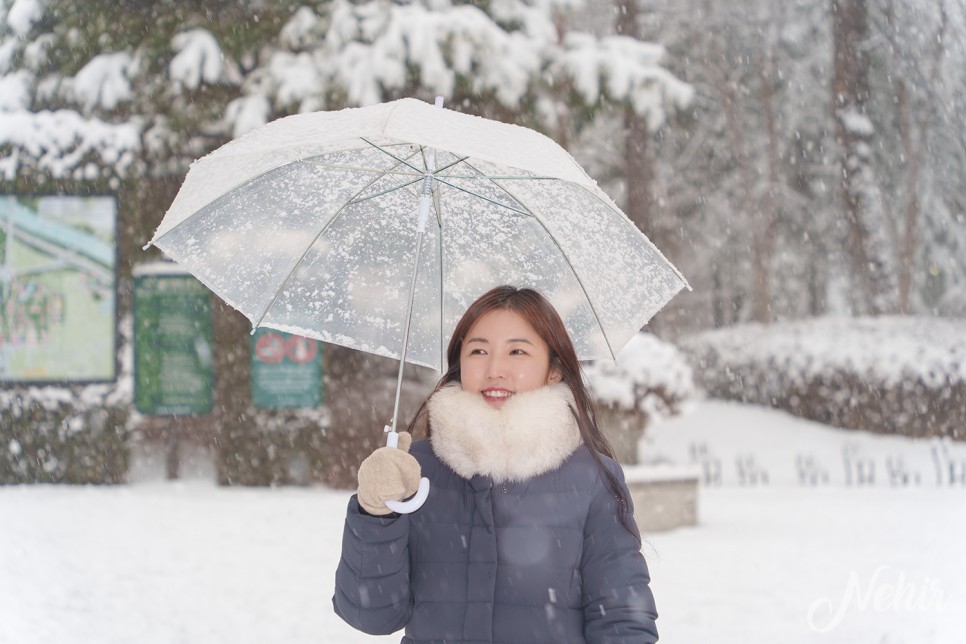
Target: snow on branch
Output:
[(23, 14), (625, 69), (247, 113), (301, 31), (199, 59), (370, 47), (15, 91), (63, 143), (105, 81)]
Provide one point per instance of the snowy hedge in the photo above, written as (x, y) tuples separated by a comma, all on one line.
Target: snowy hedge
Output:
[(650, 379), (63, 435), (897, 375)]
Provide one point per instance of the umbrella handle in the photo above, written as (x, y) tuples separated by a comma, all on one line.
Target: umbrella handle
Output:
[(413, 504)]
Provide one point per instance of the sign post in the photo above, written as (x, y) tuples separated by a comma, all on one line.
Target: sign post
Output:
[(173, 340), (286, 370)]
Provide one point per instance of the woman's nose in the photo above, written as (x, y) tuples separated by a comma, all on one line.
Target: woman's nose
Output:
[(496, 368)]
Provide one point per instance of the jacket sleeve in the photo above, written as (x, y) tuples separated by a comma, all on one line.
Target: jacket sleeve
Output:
[(618, 602), (372, 581)]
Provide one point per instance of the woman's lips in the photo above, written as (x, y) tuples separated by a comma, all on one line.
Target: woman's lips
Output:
[(496, 396)]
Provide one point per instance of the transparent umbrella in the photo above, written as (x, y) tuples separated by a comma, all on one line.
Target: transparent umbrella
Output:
[(376, 227)]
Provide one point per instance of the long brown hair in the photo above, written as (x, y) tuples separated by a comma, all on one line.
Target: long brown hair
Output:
[(545, 320)]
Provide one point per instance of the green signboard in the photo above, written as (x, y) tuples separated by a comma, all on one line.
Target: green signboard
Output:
[(173, 367), (286, 370)]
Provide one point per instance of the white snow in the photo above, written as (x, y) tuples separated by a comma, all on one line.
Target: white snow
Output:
[(8, 48), (891, 348), (23, 14), (630, 70), (105, 81), (15, 91), (190, 562), (61, 141), (199, 60), (301, 29), (36, 52), (247, 113), (857, 123), (368, 48), (644, 364)]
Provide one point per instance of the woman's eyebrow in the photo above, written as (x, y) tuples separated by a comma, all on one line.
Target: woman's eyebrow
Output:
[(483, 340)]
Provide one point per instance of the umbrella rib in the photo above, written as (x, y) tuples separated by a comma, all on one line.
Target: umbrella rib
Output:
[(437, 206), (321, 232), (353, 168), (390, 154), (563, 253), (501, 178), (384, 192), (487, 199), (409, 165), (450, 165)]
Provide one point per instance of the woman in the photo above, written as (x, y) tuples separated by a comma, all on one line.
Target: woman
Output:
[(528, 533)]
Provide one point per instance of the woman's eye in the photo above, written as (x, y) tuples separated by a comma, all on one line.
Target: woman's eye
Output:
[(518, 352)]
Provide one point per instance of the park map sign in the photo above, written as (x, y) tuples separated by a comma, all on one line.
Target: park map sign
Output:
[(57, 289)]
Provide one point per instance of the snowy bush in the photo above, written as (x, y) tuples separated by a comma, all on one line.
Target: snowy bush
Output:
[(901, 375), (650, 379)]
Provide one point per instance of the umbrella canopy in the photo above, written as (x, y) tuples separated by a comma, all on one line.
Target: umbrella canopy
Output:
[(308, 225)]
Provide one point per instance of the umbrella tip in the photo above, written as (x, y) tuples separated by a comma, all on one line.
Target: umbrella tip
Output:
[(146, 246)]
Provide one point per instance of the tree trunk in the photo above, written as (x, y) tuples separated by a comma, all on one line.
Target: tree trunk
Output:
[(910, 238), (764, 232), (638, 168), (641, 206), (912, 131), (747, 205), (863, 205), (639, 172)]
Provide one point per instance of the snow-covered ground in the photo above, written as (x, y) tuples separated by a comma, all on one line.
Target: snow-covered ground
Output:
[(188, 562)]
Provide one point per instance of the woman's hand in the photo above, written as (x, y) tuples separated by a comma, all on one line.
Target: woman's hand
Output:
[(388, 474)]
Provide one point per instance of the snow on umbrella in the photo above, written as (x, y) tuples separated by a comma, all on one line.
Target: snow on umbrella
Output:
[(310, 225)]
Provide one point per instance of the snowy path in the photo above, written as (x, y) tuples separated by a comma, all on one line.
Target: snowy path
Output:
[(188, 562)]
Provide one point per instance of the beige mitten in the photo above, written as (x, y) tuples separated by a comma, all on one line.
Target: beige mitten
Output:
[(388, 474)]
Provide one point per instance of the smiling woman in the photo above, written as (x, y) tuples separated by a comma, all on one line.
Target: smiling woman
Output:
[(504, 355), (528, 532)]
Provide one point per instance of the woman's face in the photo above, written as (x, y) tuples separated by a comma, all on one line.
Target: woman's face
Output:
[(503, 355)]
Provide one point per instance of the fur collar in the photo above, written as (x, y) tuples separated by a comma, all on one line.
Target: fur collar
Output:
[(532, 433)]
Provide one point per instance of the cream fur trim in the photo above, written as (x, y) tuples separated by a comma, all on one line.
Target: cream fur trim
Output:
[(532, 433)]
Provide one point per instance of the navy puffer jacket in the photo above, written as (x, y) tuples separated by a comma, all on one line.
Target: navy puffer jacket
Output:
[(500, 555)]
